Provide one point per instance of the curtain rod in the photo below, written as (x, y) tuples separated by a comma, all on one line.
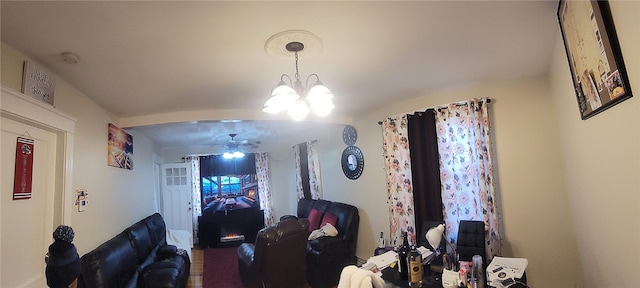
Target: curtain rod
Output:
[(457, 104)]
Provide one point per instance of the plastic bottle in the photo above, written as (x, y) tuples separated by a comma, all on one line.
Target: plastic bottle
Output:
[(414, 264), (381, 240), (477, 275)]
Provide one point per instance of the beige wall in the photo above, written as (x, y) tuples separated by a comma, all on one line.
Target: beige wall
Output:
[(117, 197), (601, 165)]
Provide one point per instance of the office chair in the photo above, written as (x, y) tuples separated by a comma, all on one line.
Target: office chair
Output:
[(471, 240)]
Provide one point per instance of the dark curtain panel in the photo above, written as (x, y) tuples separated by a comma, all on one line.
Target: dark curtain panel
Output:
[(304, 170), (216, 165), (425, 170)]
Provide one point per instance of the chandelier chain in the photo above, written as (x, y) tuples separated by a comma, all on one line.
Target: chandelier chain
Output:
[(297, 74)]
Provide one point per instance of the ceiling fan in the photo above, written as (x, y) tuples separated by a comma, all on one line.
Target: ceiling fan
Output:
[(233, 149)]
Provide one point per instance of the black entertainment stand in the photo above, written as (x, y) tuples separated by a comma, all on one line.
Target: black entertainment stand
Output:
[(240, 225)]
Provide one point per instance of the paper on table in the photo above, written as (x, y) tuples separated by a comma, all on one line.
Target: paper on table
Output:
[(384, 260), (517, 265), (427, 255)]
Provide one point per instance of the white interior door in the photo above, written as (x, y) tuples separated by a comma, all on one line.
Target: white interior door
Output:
[(176, 196), (26, 224)]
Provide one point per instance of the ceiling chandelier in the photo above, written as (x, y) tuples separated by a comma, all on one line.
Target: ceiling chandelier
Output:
[(295, 98)]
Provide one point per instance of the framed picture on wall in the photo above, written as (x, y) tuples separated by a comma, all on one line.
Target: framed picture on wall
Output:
[(599, 76), (120, 148)]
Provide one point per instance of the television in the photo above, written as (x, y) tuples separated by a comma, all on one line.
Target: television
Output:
[(229, 192), (228, 184)]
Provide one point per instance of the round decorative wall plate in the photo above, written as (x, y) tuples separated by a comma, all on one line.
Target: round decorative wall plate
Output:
[(352, 162), (349, 135)]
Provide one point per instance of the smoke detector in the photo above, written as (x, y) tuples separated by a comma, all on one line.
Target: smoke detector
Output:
[(69, 57)]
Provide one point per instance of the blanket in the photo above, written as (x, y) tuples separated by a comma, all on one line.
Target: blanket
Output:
[(354, 277), (181, 239), (326, 230)]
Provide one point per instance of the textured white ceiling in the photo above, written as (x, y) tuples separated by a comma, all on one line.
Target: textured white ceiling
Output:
[(142, 59)]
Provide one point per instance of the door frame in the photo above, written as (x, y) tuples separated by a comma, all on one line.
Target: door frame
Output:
[(23, 108), (157, 183)]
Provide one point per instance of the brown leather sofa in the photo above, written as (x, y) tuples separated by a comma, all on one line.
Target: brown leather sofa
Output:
[(277, 259)]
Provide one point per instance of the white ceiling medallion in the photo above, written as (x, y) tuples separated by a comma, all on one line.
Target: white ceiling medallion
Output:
[(276, 44)]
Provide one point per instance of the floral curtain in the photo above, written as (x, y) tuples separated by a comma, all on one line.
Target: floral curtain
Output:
[(264, 189), (395, 146), (466, 170), (194, 162)]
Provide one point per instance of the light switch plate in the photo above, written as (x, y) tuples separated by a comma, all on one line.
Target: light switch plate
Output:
[(81, 199)]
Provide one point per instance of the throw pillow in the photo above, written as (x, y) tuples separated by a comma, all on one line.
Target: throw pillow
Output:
[(315, 216), (329, 218)]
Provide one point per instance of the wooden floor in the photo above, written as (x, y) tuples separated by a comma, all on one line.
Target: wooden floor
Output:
[(195, 273)]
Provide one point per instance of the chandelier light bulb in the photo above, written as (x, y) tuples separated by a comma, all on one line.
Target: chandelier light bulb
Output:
[(319, 92), (322, 108), (282, 98), (299, 110), (231, 155)]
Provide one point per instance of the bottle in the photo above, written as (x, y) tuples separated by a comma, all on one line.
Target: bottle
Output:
[(403, 252), (477, 275), (381, 240), (414, 263)]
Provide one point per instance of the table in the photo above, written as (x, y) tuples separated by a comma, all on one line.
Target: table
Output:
[(230, 203), (430, 279)]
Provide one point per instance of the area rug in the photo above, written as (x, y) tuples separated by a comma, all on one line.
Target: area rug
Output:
[(220, 268)]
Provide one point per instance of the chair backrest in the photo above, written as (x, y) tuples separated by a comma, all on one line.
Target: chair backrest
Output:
[(471, 240), (305, 206), (112, 264), (157, 229), (348, 223), (281, 253)]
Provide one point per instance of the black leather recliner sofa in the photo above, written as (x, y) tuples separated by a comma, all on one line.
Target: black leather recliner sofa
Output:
[(326, 256), (137, 257)]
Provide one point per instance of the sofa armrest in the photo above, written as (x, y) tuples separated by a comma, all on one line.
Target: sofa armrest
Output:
[(325, 252), (326, 243), (245, 254), (161, 274), (166, 251), (285, 217)]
